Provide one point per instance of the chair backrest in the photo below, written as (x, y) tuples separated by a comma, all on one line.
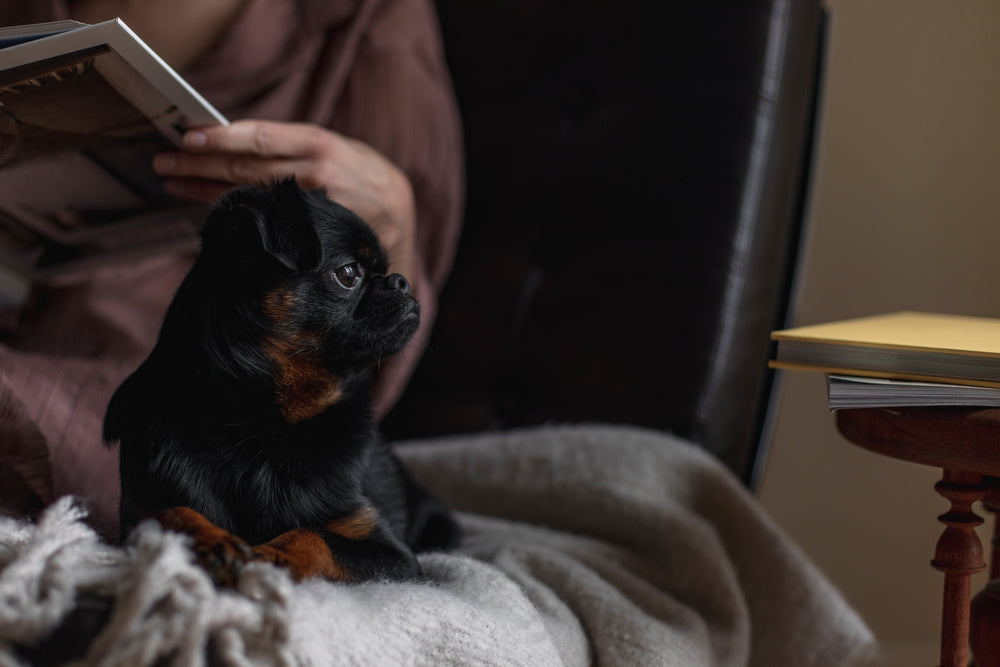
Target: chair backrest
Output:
[(637, 178)]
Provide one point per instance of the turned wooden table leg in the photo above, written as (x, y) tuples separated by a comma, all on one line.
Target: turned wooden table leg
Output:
[(991, 502), (984, 631), (959, 555)]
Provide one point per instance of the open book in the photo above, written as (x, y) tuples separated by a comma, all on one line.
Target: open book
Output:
[(83, 109)]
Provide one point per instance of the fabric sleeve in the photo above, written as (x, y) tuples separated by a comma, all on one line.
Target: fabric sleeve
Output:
[(398, 97)]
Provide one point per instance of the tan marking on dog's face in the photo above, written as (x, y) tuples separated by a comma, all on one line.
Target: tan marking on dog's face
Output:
[(278, 305), (304, 388), (364, 252)]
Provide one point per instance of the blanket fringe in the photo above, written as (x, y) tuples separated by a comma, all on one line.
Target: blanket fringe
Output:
[(161, 603)]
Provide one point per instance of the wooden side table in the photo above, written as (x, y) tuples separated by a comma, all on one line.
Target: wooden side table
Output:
[(965, 443)]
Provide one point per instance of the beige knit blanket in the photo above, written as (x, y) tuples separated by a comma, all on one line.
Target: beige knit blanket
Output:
[(585, 545)]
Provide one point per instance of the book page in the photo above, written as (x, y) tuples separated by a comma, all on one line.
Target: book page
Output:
[(63, 104), (19, 34)]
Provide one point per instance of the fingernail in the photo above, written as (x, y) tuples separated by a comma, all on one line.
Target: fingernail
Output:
[(195, 139), (164, 164)]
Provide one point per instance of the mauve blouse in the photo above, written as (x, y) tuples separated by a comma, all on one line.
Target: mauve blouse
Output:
[(370, 69)]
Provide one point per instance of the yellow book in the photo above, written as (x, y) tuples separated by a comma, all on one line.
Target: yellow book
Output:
[(906, 345)]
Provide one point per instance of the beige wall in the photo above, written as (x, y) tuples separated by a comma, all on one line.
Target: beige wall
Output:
[(905, 214)]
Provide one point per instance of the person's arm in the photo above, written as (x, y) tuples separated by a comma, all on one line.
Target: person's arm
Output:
[(352, 173)]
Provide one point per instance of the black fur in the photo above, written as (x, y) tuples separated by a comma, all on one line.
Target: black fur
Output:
[(253, 408)]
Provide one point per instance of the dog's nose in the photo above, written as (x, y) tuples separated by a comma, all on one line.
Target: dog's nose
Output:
[(397, 281)]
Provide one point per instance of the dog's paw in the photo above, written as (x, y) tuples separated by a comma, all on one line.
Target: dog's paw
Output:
[(222, 555), (265, 553), (303, 554), (218, 551)]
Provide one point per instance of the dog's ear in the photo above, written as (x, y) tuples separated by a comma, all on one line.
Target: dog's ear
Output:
[(290, 240), (250, 220)]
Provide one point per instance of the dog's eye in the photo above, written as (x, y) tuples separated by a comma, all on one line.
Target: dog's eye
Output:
[(349, 275)]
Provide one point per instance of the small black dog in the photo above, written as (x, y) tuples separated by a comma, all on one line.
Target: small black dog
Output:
[(250, 422)]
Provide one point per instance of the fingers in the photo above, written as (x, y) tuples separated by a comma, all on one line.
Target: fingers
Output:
[(261, 138), (246, 152), (234, 169)]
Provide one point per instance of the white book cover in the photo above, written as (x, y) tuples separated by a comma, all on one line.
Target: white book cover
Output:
[(83, 109)]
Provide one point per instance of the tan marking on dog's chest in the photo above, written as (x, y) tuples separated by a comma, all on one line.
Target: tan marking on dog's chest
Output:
[(304, 388)]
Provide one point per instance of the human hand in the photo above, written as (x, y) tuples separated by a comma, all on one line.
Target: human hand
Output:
[(353, 174)]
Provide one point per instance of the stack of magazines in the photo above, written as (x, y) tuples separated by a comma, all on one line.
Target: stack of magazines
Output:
[(899, 359), (844, 392)]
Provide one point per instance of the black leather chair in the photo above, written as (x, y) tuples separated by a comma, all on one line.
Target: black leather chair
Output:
[(637, 181), (636, 194)]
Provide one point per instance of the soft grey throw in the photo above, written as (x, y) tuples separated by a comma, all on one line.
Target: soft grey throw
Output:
[(585, 545)]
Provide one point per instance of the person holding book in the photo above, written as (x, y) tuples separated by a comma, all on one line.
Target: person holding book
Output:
[(352, 96)]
